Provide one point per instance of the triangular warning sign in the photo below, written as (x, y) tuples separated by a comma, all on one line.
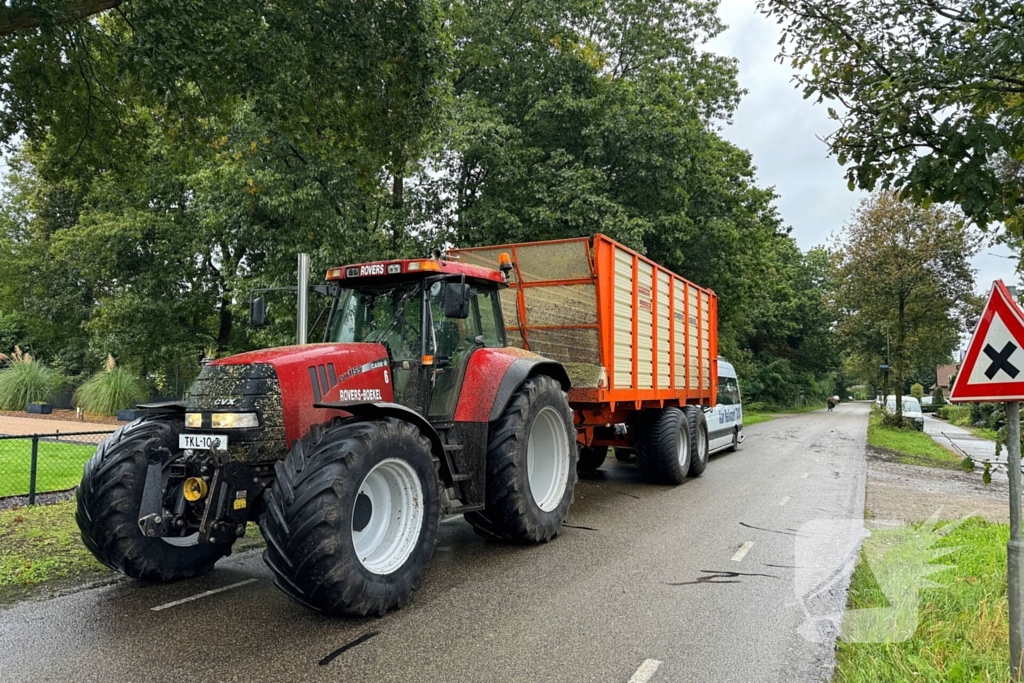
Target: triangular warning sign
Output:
[(993, 369)]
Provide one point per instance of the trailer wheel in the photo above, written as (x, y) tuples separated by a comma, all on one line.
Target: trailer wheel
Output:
[(623, 454), (591, 458), (352, 516), (663, 446), (698, 426), (108, 501), (531, 468)]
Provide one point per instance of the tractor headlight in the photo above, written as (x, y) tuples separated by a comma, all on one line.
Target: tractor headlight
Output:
[(234, 420), (193, 420)]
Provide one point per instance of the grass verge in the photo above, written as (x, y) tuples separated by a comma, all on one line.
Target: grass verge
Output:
[(40, 545), (962, 627), (41, 551), (909, 446), (59, 465), (753, 418)]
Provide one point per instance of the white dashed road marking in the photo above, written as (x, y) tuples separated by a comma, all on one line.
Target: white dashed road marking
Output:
[(783, 501), (742, 552), (806, 474), (646, 670), (204, 594)]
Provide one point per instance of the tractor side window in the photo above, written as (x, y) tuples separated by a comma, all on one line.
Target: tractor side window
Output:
[(487, 307)]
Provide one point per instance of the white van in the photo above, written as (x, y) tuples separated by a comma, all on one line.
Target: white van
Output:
[(725, 420)]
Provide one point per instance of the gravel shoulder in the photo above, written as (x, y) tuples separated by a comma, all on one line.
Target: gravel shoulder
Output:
[(912, 493)]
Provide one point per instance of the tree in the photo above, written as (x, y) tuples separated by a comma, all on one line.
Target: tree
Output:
[(932, 95), (916, 390), (938, 398), (903, 273)]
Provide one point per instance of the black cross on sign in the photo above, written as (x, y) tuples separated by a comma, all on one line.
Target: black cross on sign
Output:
[(1001, 360)]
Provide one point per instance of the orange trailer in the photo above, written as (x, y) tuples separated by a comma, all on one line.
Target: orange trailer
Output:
[(632, 335)]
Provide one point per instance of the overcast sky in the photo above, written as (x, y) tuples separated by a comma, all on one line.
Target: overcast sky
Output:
[(783, 132)]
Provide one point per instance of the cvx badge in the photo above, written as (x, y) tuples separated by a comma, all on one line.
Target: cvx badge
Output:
[(225, 402)]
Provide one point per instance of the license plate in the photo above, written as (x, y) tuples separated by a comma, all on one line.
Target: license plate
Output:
[(203, 442)]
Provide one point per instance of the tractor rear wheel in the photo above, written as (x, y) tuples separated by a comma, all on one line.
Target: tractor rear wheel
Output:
[(591, 458), (108, 502), (531, 468), (698, 426), (352, 516), (663, 446)]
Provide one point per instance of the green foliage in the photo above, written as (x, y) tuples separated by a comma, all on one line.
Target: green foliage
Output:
[(111, 390), (916, 390), (938, 398), (930, 92), (26, 380), (377, 131), (905, 283)]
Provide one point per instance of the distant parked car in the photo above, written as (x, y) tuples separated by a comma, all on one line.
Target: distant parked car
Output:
[(926, 401), (911, 410)]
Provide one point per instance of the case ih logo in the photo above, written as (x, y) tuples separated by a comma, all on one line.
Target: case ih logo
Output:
[(372, 269), (324, 379)]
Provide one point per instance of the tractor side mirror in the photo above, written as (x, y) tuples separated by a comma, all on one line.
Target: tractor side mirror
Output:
[(258, 312), (456, 300)]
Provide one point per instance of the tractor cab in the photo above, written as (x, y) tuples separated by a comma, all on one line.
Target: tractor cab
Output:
[(430, 315)]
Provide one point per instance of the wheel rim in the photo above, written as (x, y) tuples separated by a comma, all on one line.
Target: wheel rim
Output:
[(683, 452), (702, 444), (547, 459), (387, 516), (182, 541)]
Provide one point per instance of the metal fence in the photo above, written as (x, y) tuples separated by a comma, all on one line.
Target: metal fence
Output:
[(32, 464)]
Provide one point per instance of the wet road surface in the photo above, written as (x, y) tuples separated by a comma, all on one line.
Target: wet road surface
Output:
[(688, 583)]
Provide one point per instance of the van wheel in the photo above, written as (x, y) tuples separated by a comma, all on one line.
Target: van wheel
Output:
[(735, 441), (623, 454), (591, 458)]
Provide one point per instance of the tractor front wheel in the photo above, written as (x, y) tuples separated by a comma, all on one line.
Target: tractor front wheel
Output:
[(108, 502), (352, 516)]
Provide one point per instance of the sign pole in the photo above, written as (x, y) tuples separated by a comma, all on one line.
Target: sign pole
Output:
[(1015, 548)]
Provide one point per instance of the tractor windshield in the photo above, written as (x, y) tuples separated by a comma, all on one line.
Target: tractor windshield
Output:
[(389, 315)]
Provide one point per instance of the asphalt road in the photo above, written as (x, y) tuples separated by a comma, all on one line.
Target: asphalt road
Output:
[(631, 580)]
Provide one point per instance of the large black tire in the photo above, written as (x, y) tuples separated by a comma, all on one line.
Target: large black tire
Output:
[(312, 515), (697, 424), (108, 501), (511, 512), (590, 459), (663, 446)]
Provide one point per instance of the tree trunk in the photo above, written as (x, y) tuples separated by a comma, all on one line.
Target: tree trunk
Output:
[(224, 331)]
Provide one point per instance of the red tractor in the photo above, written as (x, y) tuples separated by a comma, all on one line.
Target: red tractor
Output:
[(349, 452)]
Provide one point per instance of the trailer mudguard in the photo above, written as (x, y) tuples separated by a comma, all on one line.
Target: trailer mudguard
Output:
[(493, 375)]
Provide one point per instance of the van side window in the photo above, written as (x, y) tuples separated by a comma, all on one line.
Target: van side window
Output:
[(724, 395), (728, 391)]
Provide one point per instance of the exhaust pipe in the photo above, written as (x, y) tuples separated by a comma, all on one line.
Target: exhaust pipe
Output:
[(302, 319)]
